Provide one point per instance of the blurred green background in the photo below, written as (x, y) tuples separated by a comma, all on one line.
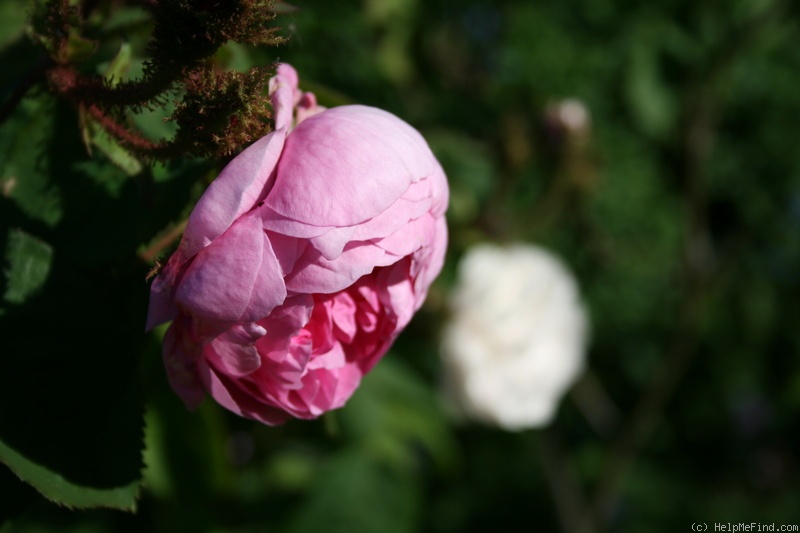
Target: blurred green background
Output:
[(677, 205)]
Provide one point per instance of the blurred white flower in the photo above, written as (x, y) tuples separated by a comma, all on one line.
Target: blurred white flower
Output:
[(516, 340)]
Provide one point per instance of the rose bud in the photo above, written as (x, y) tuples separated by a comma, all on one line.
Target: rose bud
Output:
[(302, 261)]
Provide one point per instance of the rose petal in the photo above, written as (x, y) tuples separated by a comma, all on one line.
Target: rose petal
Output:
[(284, 94), (350, 164), (234, 351), (346, 380), (370, 296), (440, 193), (332, 243), (433, 263), (315, 274), (241, 402), (397, 291), (180, 356), (343, 313), (283, 324), (292, 368), (269, 289), (161, 307), (397, 215), (333, 358), (236, 278), (278, 223), (287, 249), (320, 326), (241, 185), (411, 237), (307, 107)]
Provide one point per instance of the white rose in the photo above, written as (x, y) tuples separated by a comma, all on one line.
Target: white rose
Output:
[(516, 340)]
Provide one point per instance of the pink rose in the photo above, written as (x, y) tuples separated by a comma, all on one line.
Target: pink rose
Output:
[(303, 260)]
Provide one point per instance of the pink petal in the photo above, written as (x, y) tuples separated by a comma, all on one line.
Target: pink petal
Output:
[(349, 164), (180, 355), (411, 237), (282, 325), (292, 368), (240, 186), (308, 107), (280, 224), (233, 398), (347, 380), (234, 351), (333, 358), (440, 192), (302, 399), (320, 327), (269, 289), (284, 94), (434, 262), (397, 215), (161, 307), (236, 278), (332, 243), (287, 249), (398, 292), (318, 388), (275, 391), (367, 353), (367, 292), (343, 313), (366, 318), (315, 274)]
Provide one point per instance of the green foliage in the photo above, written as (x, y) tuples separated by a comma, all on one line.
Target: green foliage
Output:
[(12, 15), (54, 391), (56, 488), (28, 265), (71, 418), (26, 179), (185, 37)]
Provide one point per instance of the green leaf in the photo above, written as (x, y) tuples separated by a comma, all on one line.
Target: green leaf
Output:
[(71, 408), (120, 65), (651, 102), (28, 265), (78, 48), (62, 491), (95, 135), (70, 404), (23, 168), (12, 20)]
